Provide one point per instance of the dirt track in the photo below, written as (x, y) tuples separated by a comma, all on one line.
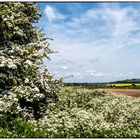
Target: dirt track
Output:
[(129, 92)]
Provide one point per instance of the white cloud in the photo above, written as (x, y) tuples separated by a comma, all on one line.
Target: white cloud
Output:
[(107, 35), (114, 24), (100, 74), (130, 73), (90, 71), (56, 72), (76, 74), (52, 14), (96, 74), (64, 67)]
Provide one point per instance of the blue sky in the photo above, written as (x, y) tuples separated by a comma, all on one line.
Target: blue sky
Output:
[(96, 42)]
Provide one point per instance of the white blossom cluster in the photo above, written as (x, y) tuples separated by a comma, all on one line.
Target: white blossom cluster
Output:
[(7, 62), (9, 103), (82, 113), (22, 48)]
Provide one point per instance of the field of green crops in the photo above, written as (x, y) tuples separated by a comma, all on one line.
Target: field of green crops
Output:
[(83, 113)]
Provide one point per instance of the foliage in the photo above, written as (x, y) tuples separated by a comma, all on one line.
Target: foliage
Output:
[(19, 128), (25, 91), (82, 113)]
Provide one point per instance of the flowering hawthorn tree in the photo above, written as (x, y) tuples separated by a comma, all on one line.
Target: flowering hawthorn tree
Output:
[(24, 90)]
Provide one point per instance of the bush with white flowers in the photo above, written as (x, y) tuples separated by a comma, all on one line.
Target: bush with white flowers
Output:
[(24, 90), (83, 113)]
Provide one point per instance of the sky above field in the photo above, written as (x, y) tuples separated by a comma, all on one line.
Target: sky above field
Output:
[(96, 42)]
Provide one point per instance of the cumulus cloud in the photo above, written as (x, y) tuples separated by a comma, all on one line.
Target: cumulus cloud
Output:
[(96, 42), (90, 71), (64, 67), (52, 14)]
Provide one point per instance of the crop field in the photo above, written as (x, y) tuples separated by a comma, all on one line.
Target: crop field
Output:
[(123, 85), (105, 85), (129, 92)]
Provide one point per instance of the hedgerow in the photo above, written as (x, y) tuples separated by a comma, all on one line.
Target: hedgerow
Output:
[(82, 113)]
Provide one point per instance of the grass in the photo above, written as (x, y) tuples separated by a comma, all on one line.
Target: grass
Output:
[(83, 113)]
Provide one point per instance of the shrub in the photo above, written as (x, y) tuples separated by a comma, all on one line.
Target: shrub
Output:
[(83, 113), (25, 91)]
